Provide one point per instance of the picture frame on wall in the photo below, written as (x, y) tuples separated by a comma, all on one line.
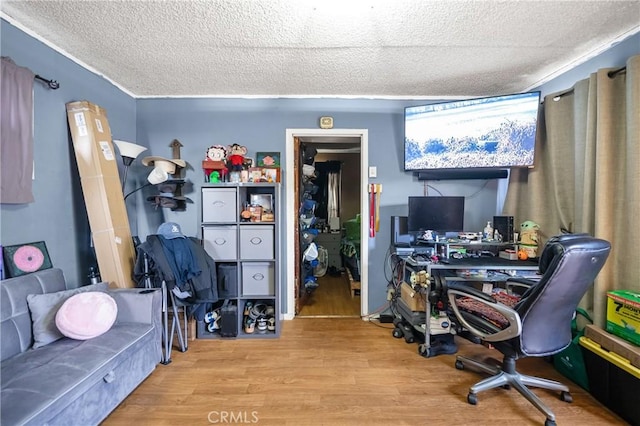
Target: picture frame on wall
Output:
[(268, 159), (21, 259)]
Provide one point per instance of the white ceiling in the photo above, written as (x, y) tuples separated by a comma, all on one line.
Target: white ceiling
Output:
[(312, 48)]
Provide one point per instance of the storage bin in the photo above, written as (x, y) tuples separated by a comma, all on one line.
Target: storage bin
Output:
[(612, 380), (221, 242), (219, 205), (227, 275), (258, 279), (256, 242)]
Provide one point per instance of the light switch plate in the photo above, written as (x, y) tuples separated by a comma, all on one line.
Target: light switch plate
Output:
[(373, 171)]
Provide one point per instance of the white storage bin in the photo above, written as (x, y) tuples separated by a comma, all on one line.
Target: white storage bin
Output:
[(256, 242), (219, 205), (221, 242), (258, 279)]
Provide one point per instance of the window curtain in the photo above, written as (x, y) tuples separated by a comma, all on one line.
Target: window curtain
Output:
[(16, 136), (586, 176)]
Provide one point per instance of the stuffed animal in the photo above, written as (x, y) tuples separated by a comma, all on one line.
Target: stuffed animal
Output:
[(214, 160), (529, 238), (235, 157)]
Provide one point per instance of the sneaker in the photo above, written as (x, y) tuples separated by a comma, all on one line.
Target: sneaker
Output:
[(262, 325), (210, 317), (247, 308), (214, 326), (249, 326), (271, 324)]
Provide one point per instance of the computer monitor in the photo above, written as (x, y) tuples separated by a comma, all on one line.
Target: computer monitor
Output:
[(439, 214)]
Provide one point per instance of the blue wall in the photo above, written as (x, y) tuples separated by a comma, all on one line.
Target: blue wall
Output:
[(58, 215)]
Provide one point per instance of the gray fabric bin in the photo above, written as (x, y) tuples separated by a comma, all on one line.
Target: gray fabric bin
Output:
[(227, 280)]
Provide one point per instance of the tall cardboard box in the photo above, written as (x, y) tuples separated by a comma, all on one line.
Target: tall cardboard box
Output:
[(100, 180)]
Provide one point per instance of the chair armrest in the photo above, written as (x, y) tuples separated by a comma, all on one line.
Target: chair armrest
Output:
[(520, 283), (514, 329)]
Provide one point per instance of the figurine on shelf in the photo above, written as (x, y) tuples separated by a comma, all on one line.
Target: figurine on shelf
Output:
[(215, 161), (235, 157), (529, 238)]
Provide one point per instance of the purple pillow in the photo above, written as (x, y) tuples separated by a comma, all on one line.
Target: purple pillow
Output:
[(86, 315)]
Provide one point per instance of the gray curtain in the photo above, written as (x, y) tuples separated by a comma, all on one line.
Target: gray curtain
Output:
[(16, 135), (586, 176)]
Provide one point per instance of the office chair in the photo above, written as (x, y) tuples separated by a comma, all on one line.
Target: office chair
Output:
[(539, 322)]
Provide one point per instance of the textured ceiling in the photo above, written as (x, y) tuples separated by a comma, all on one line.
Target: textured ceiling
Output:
[(346, 48)]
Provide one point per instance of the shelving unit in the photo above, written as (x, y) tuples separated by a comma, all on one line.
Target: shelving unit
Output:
[(245, 250), (447, 248)]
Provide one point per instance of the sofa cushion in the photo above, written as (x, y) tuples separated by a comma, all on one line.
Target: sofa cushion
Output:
[(15, 319), (39, 383), (86, 315), (43, 308)]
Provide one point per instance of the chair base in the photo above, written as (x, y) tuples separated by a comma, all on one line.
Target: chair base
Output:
[(510, 377)]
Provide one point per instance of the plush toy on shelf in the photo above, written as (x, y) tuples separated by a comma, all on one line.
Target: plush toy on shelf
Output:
[(214, 161), (529, 238), (235, 157)]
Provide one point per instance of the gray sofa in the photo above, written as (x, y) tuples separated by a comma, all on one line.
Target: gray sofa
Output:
[(73, 382)]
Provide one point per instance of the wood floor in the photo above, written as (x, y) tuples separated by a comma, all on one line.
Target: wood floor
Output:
[(336, 371), (332, 298)]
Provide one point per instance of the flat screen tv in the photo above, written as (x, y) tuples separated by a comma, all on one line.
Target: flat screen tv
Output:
[(494, 132), (440, 214)]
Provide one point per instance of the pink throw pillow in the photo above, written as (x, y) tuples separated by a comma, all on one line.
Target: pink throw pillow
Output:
[(86, 315)]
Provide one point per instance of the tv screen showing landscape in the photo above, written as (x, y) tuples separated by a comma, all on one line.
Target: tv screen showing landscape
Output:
[(494, 132)]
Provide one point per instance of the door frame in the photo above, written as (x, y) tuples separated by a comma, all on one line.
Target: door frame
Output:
[(292, 210)]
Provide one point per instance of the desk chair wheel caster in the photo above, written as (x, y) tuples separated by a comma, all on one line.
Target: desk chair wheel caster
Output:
[(549, 423), (472, 398), (459, 365), (566, 396), (397, 333)]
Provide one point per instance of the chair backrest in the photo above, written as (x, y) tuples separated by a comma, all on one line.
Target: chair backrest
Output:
[(571, 264)]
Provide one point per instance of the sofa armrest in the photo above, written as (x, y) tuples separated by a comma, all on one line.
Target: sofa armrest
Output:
[(138, 305)]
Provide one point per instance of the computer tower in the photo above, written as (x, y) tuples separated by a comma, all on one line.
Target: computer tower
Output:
[(504, 226), (400, 231)]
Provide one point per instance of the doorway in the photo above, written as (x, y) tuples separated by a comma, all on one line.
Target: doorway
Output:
[(332, 139)]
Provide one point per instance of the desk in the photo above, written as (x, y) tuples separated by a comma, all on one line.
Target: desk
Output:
[(490, 270)]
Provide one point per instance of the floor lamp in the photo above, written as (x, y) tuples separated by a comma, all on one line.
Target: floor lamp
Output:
[(128, 151)]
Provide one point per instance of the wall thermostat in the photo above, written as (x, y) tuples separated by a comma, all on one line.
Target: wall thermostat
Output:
[(326, 122)]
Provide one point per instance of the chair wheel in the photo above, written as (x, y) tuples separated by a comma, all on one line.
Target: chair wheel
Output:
[(566, 396), (459, 365), (472, 398), (409, 339), (397, 333), (549, 423)]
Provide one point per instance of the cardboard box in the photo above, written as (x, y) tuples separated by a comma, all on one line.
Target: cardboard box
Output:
[(508, 254), (413, 299), (105, 203), (101, 186), (115, 253), (92, 142), (614, 344), (623, 314)]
